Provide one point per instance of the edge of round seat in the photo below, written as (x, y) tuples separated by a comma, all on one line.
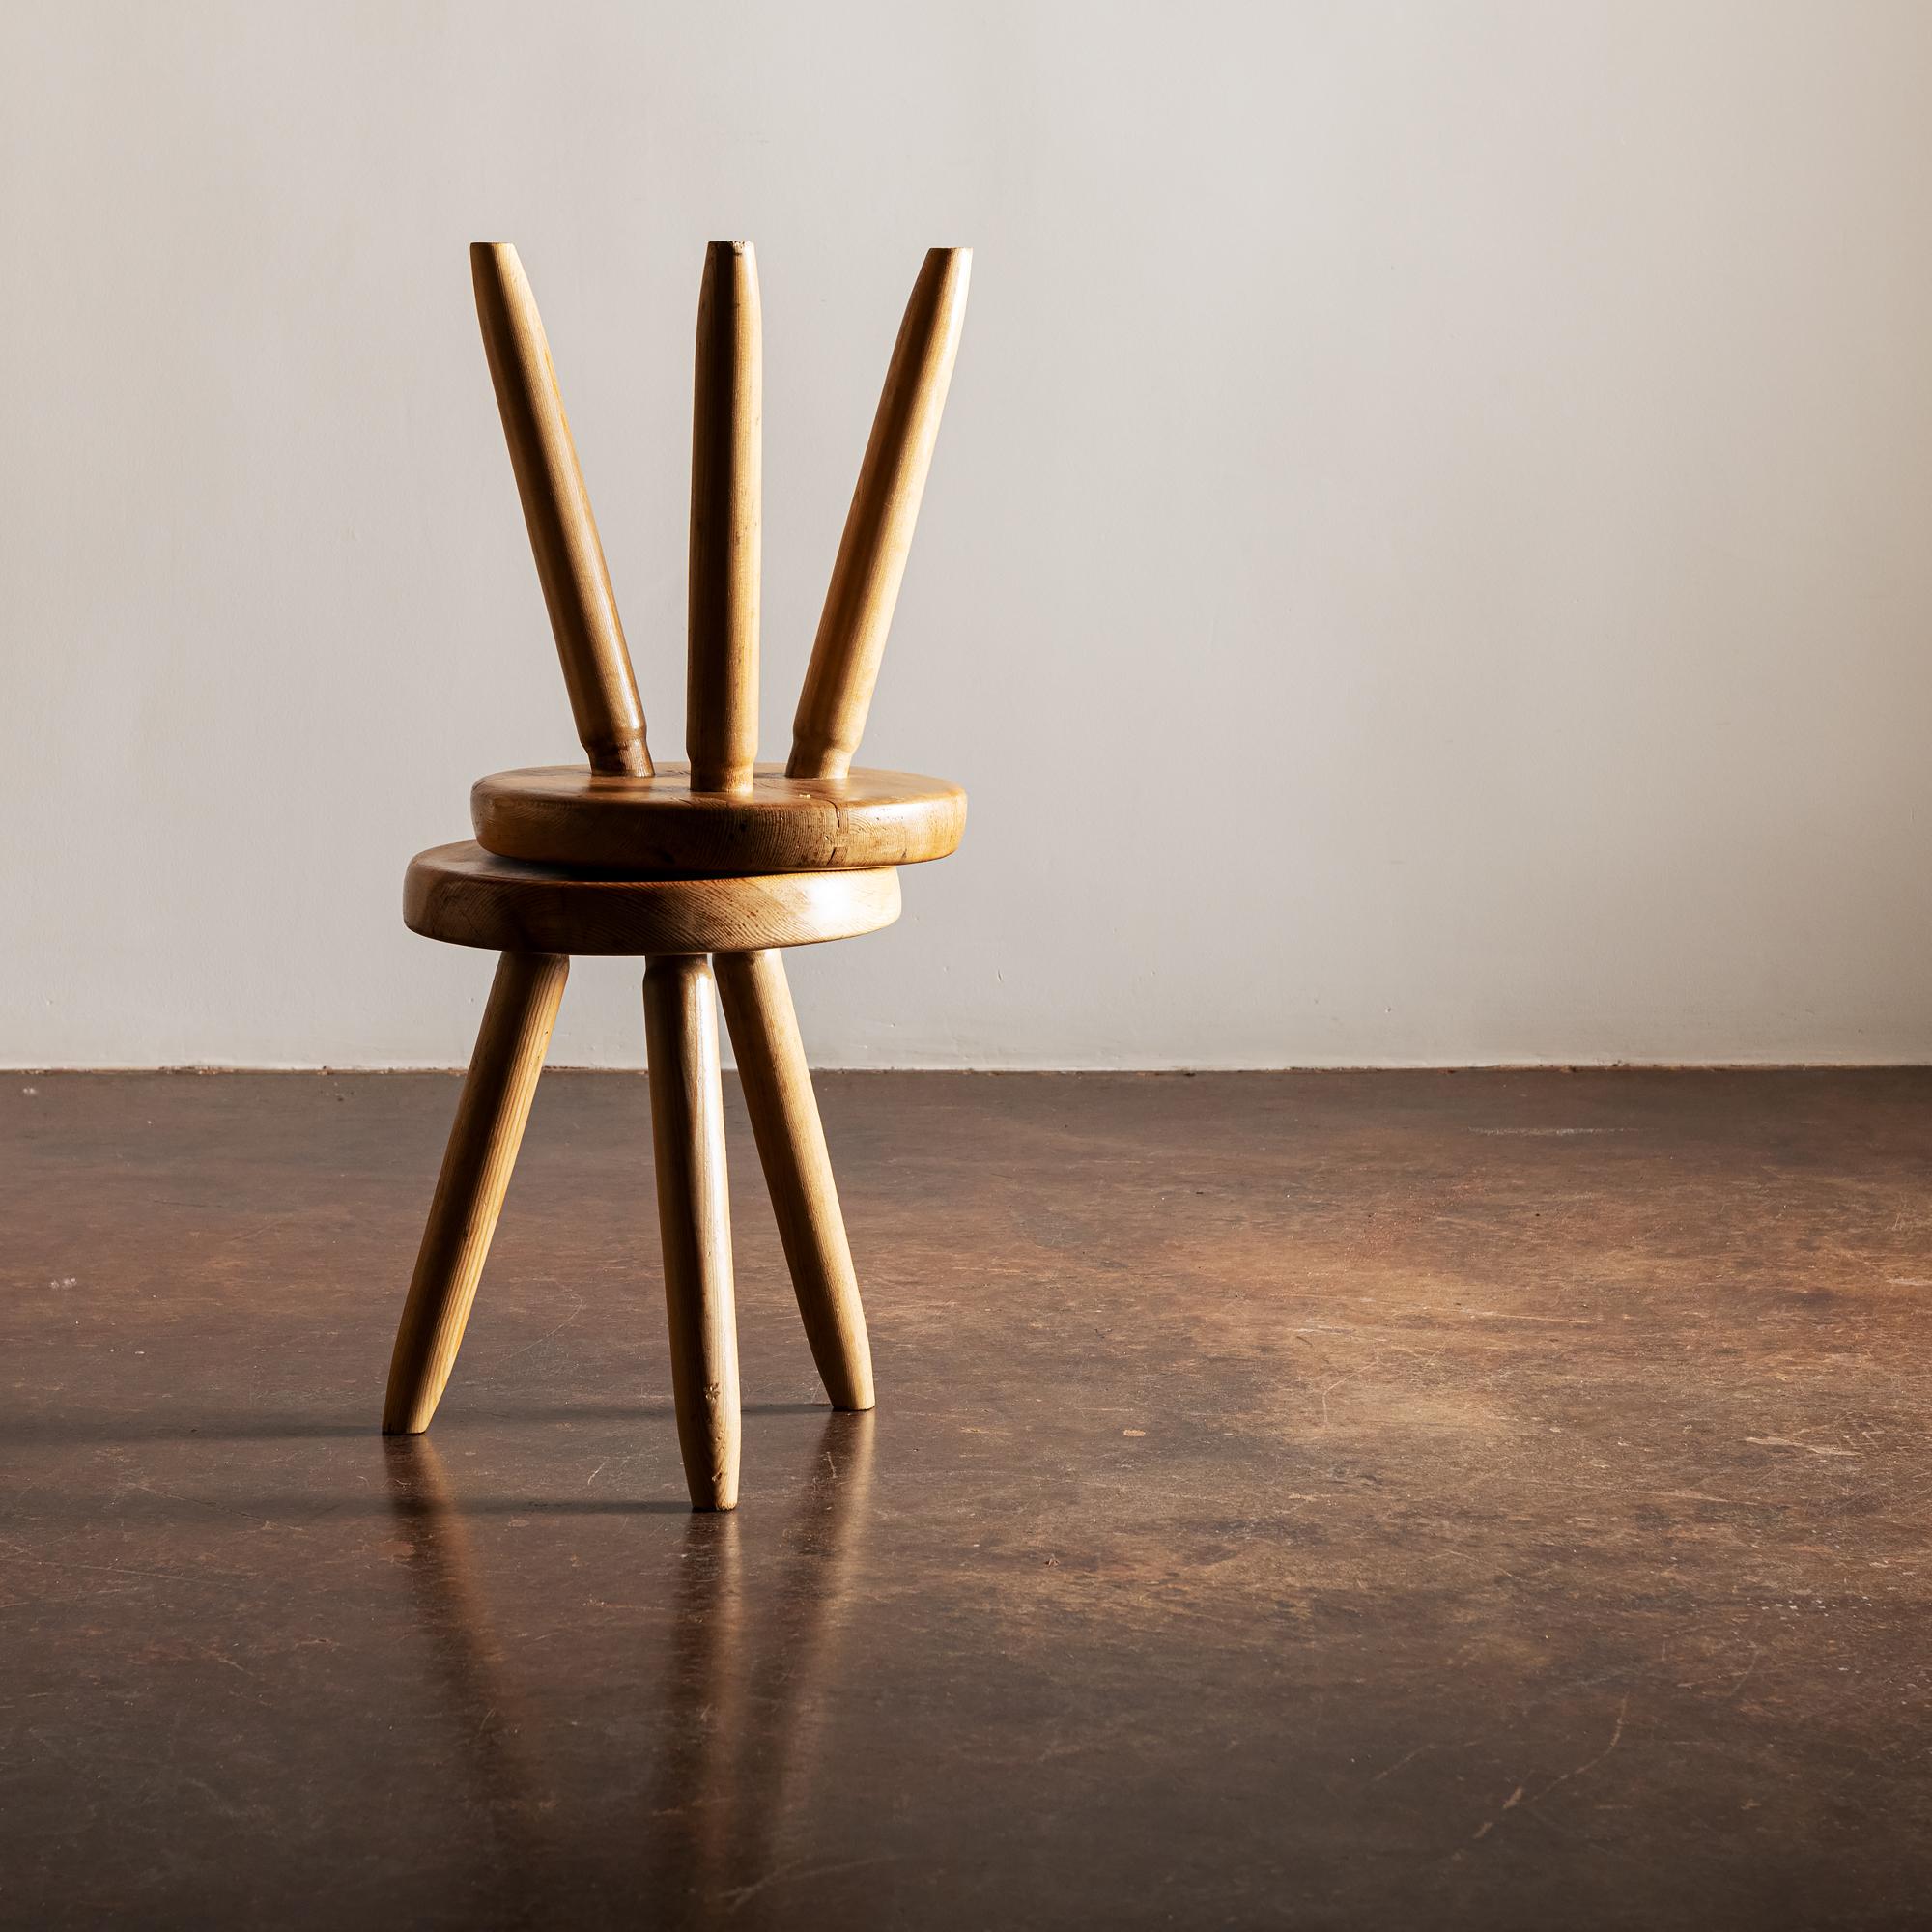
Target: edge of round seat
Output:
[(659, 828), (464, 896)]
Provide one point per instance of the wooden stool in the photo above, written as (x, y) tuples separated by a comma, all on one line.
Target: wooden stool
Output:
[(706, 871)]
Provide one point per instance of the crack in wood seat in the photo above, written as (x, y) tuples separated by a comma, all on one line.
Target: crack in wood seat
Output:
[(660, 828), (468, 897)]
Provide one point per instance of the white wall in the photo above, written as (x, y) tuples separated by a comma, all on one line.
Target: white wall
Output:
[(1430, 556)]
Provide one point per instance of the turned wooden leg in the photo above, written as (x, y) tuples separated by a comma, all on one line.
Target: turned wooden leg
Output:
[(798, 1170), (720, 712), (871, 560), (556, 511), (489, 1128), (694, 1219)]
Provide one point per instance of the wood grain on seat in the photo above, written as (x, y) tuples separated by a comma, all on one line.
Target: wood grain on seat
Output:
[(659, 828), (469, 897)]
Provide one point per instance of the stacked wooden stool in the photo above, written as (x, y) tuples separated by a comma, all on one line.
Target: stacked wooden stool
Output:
[(706, 871)]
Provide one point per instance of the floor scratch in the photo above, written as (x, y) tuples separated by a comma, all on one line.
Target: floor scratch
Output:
[(1788, 1442)]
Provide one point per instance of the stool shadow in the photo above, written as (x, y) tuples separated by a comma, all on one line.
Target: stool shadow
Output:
[(629, 1412), (443, 1513), (54, 1427)]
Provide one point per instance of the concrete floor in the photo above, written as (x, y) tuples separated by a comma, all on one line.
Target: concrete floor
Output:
[(1398, 1499)]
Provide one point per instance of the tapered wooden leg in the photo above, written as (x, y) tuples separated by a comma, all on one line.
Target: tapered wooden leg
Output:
[(720, 727), (845, 665), (490, 1117), (798, 1170), (694, 1219), (557, 510)]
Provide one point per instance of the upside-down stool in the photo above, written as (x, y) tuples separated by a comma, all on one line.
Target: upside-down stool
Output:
[(706, 871)]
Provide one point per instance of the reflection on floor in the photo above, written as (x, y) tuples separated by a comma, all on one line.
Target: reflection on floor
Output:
[(1351, 1501), (724, 1784)]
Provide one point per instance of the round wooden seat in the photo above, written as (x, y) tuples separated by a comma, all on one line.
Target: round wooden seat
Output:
[(659, 828), (469, 897)]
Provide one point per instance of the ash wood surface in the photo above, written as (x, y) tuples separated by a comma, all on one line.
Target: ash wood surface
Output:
[(695, 1221), (556, 508), (858, 613), (727, 409), (790, 1137), (661, 827), (482, 1150), (467, 897)]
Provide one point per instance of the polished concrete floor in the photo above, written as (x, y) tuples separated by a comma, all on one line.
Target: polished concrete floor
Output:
[(1334, 1500)]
